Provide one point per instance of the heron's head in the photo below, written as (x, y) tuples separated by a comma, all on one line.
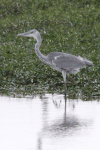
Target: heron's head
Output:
[(32, 33)]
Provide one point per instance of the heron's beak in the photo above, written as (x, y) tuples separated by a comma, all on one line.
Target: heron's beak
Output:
[(28, 34), (23, 34)]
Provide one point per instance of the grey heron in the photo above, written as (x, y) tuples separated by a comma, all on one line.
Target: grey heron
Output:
[(63, 62)]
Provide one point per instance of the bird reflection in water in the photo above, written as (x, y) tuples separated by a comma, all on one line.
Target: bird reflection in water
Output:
[(60, 127)]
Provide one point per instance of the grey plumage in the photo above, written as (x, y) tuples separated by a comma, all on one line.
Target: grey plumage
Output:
[(63, 62)]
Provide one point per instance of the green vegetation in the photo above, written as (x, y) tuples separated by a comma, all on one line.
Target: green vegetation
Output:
[(71, 26)]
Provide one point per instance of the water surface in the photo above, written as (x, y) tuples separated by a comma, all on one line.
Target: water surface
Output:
[(47, 124)]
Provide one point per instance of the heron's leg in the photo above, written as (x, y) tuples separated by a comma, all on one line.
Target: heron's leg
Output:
[(64, 77), (73, 81), (65, 89)]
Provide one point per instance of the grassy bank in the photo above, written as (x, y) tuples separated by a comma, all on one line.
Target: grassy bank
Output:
[(68, 26)]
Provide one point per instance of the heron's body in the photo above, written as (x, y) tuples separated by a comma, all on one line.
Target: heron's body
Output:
[(63, 62)]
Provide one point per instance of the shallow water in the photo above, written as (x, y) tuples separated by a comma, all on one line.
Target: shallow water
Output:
[(47, 124)]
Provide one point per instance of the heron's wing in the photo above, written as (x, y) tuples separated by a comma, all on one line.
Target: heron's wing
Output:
[(51, 56), (68, 62)]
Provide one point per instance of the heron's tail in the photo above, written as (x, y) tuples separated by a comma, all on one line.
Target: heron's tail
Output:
[(87, 62)]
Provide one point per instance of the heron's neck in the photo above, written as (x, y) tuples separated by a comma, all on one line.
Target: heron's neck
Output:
[(41, 56)]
